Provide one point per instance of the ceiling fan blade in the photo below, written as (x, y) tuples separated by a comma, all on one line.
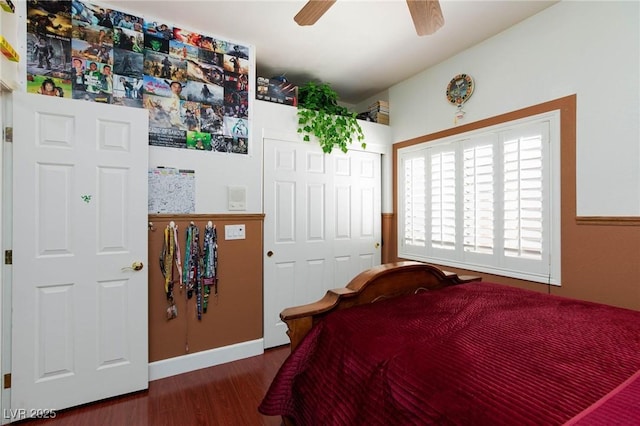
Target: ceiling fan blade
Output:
[(312, 11), (427, 16)]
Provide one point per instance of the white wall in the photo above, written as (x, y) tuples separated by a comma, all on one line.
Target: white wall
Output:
[(215, 171), (591, 49)]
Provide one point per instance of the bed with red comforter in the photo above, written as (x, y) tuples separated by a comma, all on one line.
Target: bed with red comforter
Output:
[(476, 353)]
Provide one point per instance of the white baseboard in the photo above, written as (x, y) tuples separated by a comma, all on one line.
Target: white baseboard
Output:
[(184, 364)]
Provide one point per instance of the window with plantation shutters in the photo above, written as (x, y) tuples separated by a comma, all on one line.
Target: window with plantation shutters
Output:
[(485, 201)]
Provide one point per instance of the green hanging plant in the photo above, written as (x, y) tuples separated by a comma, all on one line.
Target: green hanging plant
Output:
[(320, 115)]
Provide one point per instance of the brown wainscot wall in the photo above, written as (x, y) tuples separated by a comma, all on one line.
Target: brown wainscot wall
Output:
[(235, 316)]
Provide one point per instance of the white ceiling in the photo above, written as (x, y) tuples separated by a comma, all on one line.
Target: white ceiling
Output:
[(360, 47)]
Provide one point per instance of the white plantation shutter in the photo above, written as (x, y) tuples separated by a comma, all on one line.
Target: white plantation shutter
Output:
[(523, 197), (478, 187), (443, 199), (484, 202), (414, 230)]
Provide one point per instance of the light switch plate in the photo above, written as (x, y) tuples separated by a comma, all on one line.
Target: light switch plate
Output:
[(234, 232)]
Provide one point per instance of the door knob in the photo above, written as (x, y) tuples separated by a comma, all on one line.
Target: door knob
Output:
[(377, 245), (136, 266), (269, 253)]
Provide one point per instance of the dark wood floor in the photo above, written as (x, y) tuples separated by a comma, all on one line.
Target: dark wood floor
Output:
[(227, 394)]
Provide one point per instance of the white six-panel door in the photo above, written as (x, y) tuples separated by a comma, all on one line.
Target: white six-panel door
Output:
[(79, 319), (322, 224)]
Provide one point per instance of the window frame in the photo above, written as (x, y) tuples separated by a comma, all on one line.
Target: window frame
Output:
[(515, 268)]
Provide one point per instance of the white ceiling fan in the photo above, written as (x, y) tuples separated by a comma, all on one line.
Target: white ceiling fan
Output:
[(426, 14)]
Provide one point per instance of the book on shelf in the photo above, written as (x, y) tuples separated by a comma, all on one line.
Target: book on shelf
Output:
[(379, 106), (379, 118), (382, 119), (379, 112), (381, 103)]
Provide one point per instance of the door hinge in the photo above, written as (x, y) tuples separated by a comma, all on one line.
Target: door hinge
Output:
[(8, 257), (8, 134), (7, 380)]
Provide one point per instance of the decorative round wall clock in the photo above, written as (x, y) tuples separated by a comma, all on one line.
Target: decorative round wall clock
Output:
[(460, 89)]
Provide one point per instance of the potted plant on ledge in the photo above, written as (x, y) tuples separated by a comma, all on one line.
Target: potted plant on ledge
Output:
[(320, 115)]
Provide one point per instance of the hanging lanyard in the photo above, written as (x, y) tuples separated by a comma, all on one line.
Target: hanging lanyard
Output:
[(177, 252), (166, 263), (199, 270), (191, 260), (196, 270), (210, 257), (166, 267), (187, 258)]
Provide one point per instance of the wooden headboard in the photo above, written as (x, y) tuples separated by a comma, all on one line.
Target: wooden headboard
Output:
[(380, 282)]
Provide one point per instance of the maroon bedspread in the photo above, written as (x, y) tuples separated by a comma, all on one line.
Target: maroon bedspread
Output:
[(619, 407), (473, 354)]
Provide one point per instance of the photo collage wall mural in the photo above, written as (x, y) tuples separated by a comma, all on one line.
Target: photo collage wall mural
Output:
[(194, 86)]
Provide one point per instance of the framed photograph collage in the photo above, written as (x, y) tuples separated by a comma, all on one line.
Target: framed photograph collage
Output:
[(194, 86)]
